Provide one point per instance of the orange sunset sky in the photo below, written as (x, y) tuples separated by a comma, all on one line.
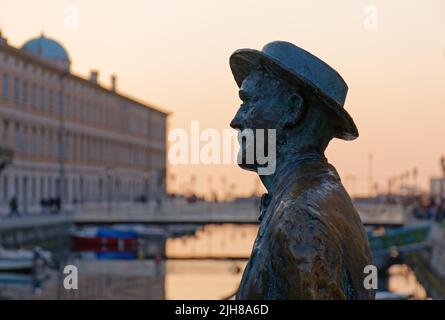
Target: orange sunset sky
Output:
[(174, 54)]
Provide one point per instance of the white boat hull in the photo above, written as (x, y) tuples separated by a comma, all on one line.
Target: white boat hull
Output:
[(19, 264)]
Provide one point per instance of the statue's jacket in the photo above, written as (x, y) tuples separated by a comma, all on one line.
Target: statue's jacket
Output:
[(311, 243)]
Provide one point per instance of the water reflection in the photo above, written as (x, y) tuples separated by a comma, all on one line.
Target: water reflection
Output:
[(214, 241), (207, 273), (116, 280), (206, 265), (203, 279)]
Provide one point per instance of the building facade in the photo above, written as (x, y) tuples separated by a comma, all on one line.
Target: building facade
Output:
[(73, 139)]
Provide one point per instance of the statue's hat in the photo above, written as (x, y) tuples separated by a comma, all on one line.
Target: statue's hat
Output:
[(303, 69)]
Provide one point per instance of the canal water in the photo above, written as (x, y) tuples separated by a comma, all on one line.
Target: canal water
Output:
[(206, 265)]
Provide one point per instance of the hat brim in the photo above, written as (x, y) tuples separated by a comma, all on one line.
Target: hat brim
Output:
[(244, 61)]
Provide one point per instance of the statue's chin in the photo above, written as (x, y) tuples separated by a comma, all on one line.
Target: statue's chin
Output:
[(249, 167), (244, 165)]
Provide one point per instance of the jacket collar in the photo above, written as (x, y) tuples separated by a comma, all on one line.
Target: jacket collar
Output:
[(298, 168)]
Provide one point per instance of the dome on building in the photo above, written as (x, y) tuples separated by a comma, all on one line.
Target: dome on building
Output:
[(48, 49)]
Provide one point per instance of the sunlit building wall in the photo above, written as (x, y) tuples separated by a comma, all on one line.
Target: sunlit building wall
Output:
[(72, 137)]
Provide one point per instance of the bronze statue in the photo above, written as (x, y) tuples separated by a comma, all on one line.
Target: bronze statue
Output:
[(311, 243)]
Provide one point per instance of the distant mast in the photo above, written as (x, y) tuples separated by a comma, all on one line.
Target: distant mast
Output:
[(370, 177), (442, 165)]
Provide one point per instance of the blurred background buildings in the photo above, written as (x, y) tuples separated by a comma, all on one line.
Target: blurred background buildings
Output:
[(74, 141)]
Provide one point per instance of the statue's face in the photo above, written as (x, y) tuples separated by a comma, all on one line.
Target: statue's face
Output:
[(264, 99)]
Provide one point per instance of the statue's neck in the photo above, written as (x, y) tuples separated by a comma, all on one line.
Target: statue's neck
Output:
[(286, 163), (294, 148)]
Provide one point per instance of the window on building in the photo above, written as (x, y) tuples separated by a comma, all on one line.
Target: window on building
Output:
[(101, 188), (16, 90), (16, 186), (25, 140), (17, 136), (25, 93), (50, 144), (34, 96), (74, 190), (81, 110), (81, 139), (5, 85), (41, 188), (74, 148), (81, 189), (25, 190), (34, 142), (42, 99), (49, 187), (42, 143), (65, 189), (59, 146), (87, 150), (50, 101), (5, 134), (5, 187), (73, 106), (66, 106), (58, 103), (57, 186), (33, 190), (66, 146)]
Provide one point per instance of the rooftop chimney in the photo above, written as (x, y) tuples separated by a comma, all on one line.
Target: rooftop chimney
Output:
[(113, 82), (94, 74)]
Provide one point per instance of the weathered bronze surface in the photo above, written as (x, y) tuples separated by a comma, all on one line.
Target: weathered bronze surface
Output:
[(311, 243)]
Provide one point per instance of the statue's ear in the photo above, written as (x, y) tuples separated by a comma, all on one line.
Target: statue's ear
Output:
[(295, 110)]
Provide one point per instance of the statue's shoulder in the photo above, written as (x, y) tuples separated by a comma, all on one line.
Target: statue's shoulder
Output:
[(296, 217), (312, 184), (321, 190)]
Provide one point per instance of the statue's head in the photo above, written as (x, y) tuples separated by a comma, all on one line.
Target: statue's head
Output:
[(291, 94)]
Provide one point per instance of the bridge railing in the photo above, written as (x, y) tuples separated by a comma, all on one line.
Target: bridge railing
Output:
[(380, 213), (406, 239), (373, 214), (172, 211)]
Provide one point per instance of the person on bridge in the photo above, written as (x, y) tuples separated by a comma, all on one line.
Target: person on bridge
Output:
[(311, 243)]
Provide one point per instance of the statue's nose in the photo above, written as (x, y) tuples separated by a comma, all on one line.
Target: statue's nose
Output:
[(236, 122)]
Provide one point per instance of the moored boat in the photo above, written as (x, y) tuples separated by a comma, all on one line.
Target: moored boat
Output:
[(104, 239), (23, 260), (17, 265)]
